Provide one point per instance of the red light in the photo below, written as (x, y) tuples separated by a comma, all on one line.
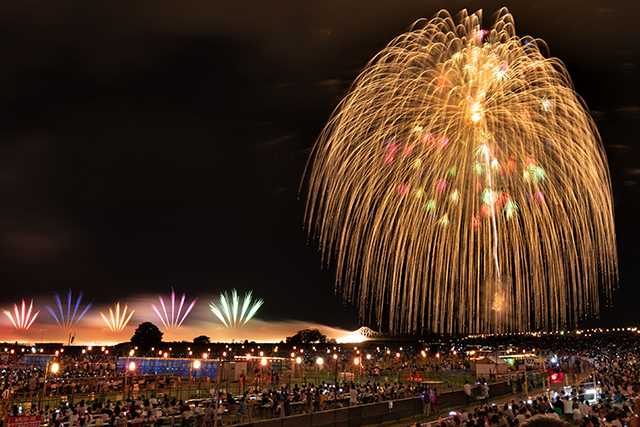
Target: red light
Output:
[(554, 376)]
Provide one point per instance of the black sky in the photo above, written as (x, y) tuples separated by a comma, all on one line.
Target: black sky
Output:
[(154, 144)]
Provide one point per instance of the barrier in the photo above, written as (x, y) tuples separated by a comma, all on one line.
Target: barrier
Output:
[(376, 413)]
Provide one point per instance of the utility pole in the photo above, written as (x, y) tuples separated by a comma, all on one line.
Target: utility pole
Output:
[(218, 374)]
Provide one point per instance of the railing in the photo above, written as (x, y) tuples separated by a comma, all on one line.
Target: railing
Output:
[(185, 389)]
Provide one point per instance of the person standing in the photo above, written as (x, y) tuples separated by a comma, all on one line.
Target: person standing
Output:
[(426, 400), (485, 393), (467, 391), (434, 399), (353, 396)]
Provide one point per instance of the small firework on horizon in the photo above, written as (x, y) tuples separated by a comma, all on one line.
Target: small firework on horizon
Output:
[(68, 321), (23, 318), (228, 310), (116, 322), (172, 323)]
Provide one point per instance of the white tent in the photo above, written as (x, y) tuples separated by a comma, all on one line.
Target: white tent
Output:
[(489, 365)]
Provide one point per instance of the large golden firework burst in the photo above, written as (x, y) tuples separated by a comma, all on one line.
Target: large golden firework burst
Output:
[(462, 186)]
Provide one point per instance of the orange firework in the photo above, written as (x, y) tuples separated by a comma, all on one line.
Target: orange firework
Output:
[(117, 322), (23, 319), (462, 186)]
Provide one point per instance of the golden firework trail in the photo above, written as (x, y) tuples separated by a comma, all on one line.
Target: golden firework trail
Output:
[(23, 318), (117, 322), (462, 186)]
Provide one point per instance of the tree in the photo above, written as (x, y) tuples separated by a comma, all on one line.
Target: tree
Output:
[(202, 340), (147, 335), (307, 336)]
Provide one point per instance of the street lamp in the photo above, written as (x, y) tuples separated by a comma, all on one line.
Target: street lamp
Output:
[(357, 362), (319, 363), (131, 367), (194, 365), (263, 362)]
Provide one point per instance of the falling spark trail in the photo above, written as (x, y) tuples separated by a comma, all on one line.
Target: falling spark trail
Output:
[(462, 186)]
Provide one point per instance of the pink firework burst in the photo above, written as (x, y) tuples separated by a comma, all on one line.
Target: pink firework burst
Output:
[(173, 322), (23, 319)]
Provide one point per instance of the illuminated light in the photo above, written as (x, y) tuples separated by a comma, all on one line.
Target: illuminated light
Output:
[(55, 367), (131, 352), (437, 355), (547, 105), (539, 197), (293, 355), (89, 348), (298, 360), (356, 361), (68, 321), (423, 353), (430, 205), (263, 362), (368, 357), (106, 352), (160, 352), (501, 72), (444, 221), (23, 319), (489, 196), (116, 322), (476, 116), (205, 355), (261, 353), (196, 364), (224, 354), (102, 349), (398, 355), (510, 209), (166, 355), (442, 185), (335, 357), (478, 168), (390, 242), (173, 322), (132, 366), (319, 361), (234, 314)]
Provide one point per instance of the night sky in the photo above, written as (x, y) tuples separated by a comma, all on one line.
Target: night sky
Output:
[(159, 144)]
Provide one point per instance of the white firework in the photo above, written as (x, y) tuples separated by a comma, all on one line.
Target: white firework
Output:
[(230, 312)]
